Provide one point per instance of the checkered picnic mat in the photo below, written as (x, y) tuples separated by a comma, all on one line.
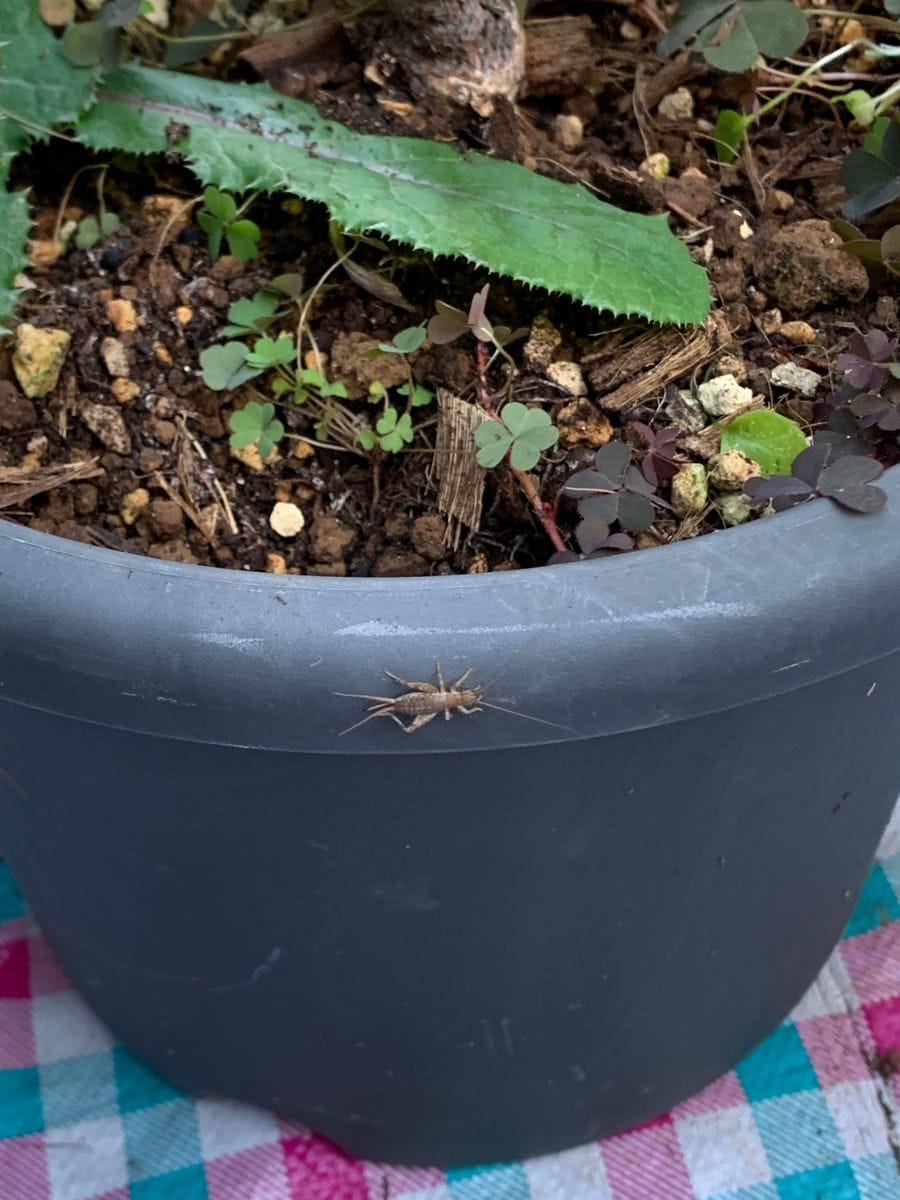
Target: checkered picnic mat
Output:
[(812, 1114)]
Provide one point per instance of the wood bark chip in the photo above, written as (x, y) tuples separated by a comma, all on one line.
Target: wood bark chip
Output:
[(559, 55), (469, 51), (18, 484), (637, 370), (313, 54), (462, 479)]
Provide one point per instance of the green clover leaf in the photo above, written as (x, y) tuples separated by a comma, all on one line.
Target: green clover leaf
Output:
[(255, 423)]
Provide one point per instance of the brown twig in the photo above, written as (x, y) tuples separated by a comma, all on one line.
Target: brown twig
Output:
[(544, 512)]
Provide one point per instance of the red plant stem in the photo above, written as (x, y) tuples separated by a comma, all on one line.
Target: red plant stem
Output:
[(545, 512)]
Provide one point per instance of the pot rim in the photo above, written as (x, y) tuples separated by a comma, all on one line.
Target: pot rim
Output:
[(598, 647)]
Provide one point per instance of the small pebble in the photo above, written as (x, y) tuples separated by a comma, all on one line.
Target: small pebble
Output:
[(43, 252), (734, 508), (568, 131), (125, 390), (799, 333), (731, 470), (543, 343), (677, 106), (115, 357), (276, 564), (287, 520), (582, 423), (106, 423), (133, 505), (184, 314), (781, 201), (724, 396), (122, 315), (796, 379), (770, 322), (38, 358), (568, 376), (690, 493), (656, 165)]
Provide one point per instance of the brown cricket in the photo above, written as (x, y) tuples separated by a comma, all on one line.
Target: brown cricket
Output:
[(425, 701)]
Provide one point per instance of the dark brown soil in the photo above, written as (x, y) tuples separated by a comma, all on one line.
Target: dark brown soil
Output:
[(144, 303)]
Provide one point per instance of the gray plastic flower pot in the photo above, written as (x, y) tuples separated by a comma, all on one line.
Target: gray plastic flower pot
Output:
[(492, 937)]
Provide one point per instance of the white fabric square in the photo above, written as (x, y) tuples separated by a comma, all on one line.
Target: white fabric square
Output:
[(890, 842), (64, 1027), (832, 993), (859, 1117), (723, 1151), (577, 1174), (227, 1126), (86, 1160)]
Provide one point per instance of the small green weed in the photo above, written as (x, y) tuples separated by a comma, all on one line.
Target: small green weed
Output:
[(221, 218), (522, 432)]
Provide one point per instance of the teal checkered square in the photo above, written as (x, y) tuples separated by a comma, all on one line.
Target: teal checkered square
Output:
[(187, 1184), (475, 1183), (21, 1110), (138, 1086), (877, 1177), (878, 904), (777, 1067), (826, 1183), (756, 1191), (162, 1139), (798, 1133), (79, 1089), (11, 903)]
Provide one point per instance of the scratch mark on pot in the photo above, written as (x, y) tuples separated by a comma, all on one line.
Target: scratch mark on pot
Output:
[(871, 689), (354, 1118), (231, 640), (579, 1074), (801, 662), (174, 700), (14, 784), (316, 662), (488, 1038), (507, 1036), (659, 616), (412, 896), (255, 975)]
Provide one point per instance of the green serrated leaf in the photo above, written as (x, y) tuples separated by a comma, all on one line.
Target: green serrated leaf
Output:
[(36, 82), (767, 437), (14, 227), (494, 213)]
